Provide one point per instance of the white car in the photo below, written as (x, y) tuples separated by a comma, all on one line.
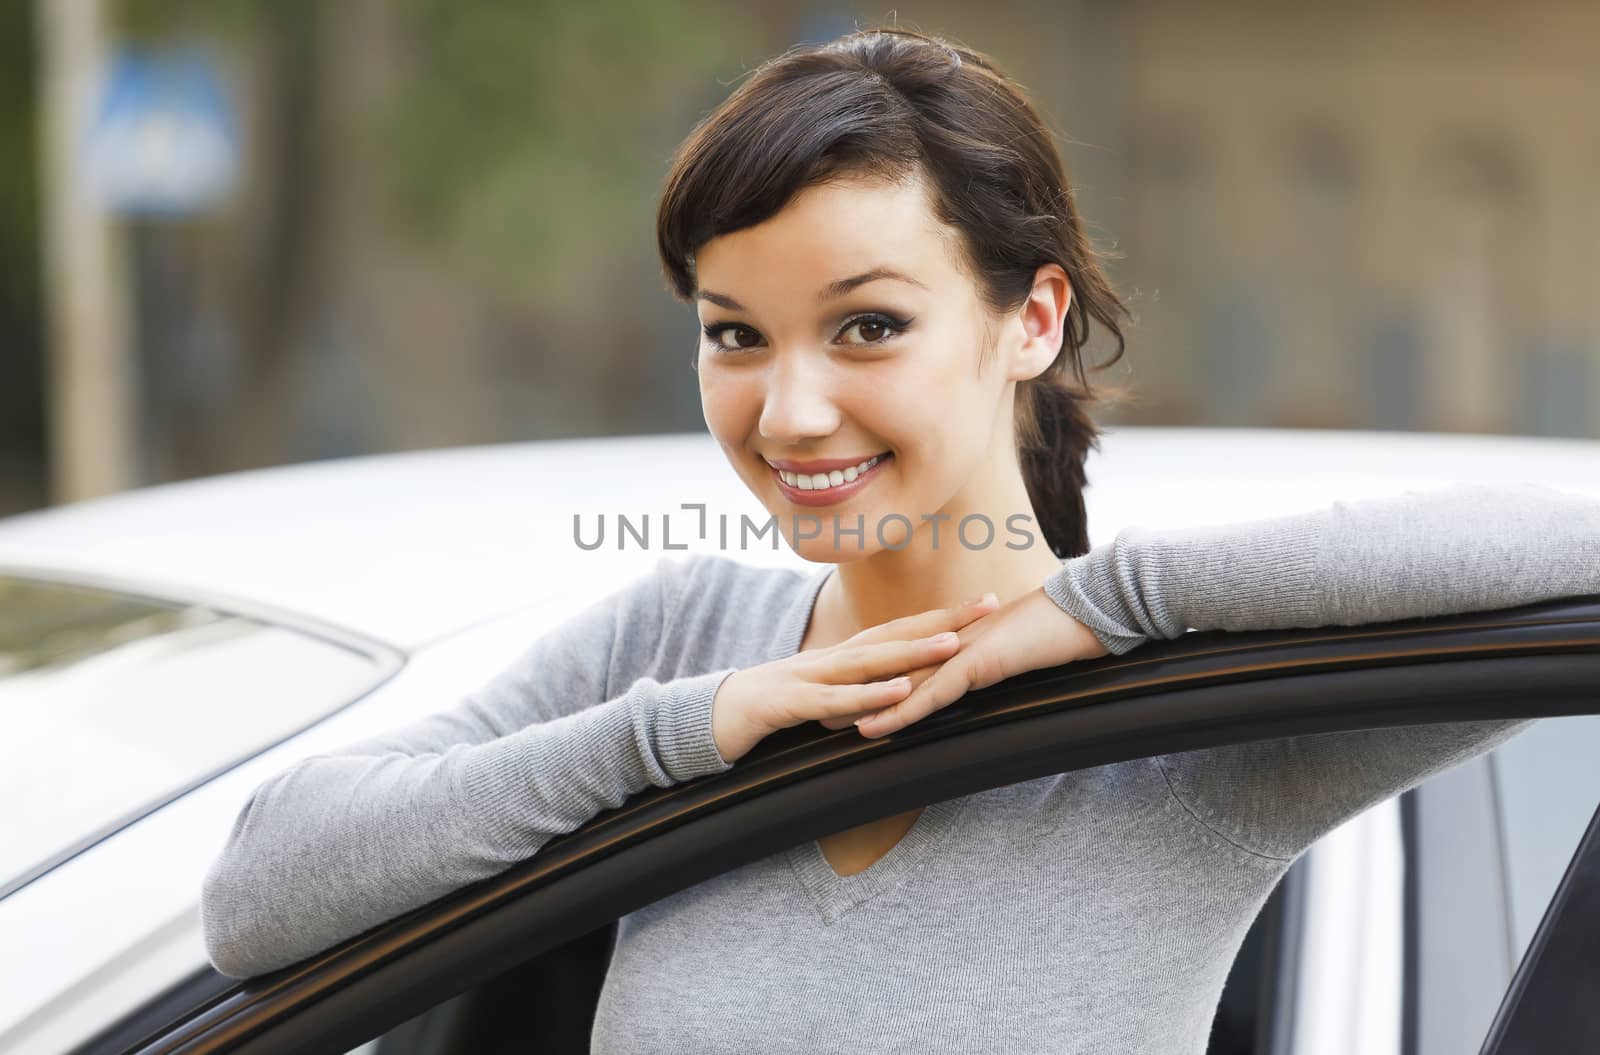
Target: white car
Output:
[(164, 651)]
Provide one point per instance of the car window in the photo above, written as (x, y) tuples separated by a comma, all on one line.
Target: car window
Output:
[(115, 703), (1549, 1005), (1493, 839), (1548, 787)]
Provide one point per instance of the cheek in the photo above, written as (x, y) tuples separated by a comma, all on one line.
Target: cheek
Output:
[(724, 402), (929, 412)]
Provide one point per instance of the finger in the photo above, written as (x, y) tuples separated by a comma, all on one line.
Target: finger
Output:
[(863, 663), (917, 677), (924, 624), (947, 685), (844, 703)]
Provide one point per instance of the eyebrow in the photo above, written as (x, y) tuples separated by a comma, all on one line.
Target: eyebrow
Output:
[(832, 291)]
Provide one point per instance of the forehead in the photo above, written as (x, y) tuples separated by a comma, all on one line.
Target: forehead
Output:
[(831, 230)]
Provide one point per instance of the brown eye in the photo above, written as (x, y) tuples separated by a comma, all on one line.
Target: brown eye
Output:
[(714, 335), (875, 329)]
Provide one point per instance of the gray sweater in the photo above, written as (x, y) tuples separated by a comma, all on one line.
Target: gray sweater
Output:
[(1094, 911)]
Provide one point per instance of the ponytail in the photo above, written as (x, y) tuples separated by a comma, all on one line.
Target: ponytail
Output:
[(1054, 434)]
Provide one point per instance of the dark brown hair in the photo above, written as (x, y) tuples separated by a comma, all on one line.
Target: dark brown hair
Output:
[(890, 103)]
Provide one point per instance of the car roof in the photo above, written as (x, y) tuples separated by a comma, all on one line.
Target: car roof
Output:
[(410, 546)]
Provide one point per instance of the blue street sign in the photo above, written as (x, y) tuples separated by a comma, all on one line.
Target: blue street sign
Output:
[(163, 141)]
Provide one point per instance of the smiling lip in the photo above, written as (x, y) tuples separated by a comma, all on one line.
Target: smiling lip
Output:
[(823, 465), (832, 495)]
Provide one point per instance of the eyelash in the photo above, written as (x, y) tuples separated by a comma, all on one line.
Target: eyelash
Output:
[(895, 326)]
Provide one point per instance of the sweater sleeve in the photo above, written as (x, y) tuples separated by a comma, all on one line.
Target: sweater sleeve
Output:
[(343, 841), (1462, 548)]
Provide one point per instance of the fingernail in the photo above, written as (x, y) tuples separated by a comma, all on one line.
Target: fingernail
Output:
[(984, 599)]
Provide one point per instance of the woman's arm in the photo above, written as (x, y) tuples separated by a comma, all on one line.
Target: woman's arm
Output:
[(1462, 548), (1458, 549), (341, 842)]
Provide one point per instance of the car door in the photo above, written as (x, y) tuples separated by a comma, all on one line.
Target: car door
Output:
[(1203, 690)]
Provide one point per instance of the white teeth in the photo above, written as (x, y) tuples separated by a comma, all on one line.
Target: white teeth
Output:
[(823, 481)]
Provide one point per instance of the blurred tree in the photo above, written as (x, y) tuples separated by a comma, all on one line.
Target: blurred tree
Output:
[(21, 349), (529, 138)]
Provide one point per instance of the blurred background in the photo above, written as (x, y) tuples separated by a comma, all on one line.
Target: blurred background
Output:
[(239, 233)]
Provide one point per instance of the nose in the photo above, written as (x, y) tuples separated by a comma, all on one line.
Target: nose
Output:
[(798, 406)]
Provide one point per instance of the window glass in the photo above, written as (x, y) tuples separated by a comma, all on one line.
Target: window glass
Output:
[(113, 704), (1492, 839), (1549, 787)]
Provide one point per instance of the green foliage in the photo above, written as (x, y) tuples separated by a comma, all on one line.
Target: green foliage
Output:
[(530, 139), (154, 21)]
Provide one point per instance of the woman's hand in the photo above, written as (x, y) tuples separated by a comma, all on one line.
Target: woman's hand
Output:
[(838, 682), (1029, 633)]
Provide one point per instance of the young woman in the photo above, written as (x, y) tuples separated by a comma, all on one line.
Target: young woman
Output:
[(894, 290)]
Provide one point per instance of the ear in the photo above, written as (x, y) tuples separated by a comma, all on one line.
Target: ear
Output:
[(1043, 318)]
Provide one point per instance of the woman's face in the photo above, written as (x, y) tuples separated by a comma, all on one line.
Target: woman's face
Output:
[(841, 330)]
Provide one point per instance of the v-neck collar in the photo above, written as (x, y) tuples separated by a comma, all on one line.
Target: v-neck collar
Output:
[(834, 894)]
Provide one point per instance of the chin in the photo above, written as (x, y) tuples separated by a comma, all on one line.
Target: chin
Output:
[(821, 547), (821, 551)]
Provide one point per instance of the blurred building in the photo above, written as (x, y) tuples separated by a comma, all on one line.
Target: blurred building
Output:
[(1368, 215), (1371, 214)]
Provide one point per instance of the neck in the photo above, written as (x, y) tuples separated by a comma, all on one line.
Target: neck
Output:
[(936, 571)]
